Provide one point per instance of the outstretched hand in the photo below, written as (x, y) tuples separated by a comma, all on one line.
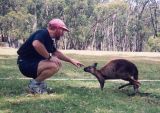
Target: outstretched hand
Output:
[(76, 63)]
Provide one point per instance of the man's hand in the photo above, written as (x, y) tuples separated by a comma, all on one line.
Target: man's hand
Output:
[(55, 60), (76, 63)]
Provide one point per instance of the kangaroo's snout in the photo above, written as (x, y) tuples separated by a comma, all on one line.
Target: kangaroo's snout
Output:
[(91, 69), (87, 69)]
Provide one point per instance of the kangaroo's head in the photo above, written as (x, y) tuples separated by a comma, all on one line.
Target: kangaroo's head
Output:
[(92, 69)]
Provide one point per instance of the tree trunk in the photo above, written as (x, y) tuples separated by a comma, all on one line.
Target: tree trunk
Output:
[(94, 37)]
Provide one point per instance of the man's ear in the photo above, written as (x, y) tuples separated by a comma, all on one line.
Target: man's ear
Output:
[(95, 65)]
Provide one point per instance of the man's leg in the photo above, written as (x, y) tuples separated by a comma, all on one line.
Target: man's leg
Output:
[(45, 70)]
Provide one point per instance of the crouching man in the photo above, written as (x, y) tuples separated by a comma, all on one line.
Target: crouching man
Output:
[(39, 58)]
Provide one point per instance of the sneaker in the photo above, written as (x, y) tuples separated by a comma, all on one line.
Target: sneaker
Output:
[(49, 90), (43, 85), (35, 88)]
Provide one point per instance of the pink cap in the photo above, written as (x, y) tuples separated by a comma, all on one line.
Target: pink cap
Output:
[(58, 23)]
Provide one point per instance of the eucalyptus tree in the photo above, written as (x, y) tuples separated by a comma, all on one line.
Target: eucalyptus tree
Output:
[(78, 16), (109, 26), (154, 10), (15, 19), (118, 25)]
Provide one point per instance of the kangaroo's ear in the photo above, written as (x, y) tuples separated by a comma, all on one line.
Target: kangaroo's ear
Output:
[(95, 65)]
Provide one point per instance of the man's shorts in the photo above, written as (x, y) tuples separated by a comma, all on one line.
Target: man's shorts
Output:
[(28, 67)]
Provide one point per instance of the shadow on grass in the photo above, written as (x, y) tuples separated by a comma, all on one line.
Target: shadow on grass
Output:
[(149, 95)]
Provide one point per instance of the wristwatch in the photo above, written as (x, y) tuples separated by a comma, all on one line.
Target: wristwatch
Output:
[(50, 55)]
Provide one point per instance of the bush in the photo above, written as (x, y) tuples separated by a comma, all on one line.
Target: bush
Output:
[(154, 43)]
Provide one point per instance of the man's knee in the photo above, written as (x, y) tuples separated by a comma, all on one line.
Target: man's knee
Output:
[(58, 63), (52, 67), (55, 67)]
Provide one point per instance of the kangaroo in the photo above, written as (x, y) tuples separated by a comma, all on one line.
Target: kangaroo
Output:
[(116, 69)]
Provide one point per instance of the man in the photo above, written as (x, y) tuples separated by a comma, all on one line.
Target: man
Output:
[(38, 57)]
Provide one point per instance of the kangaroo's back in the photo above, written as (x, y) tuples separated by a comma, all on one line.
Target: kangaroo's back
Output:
[(120, 66)]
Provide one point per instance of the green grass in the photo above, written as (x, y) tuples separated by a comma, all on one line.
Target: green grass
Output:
[(79, 96)]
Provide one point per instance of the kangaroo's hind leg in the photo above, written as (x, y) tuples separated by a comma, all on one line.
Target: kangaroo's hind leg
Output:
[(132, 81), (122, 86), (135, 84), (124, 76)]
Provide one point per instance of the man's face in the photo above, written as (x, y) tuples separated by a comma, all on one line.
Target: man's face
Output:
[(58, 33), (51, 33)]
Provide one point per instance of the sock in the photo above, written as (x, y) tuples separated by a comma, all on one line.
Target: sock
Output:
[(35, 81)]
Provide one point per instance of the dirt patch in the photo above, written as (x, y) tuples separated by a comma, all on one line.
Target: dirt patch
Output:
[(148, 56), (154, 56), (8, 51), (112, 53)]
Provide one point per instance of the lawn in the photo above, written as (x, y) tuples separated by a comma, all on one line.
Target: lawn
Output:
[(78, 96)]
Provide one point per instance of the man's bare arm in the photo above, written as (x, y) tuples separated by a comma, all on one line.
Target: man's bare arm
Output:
[(40, 48), (63, 57)]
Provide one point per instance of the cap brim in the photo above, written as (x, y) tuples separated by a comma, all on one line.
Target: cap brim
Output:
[(65, 29)]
